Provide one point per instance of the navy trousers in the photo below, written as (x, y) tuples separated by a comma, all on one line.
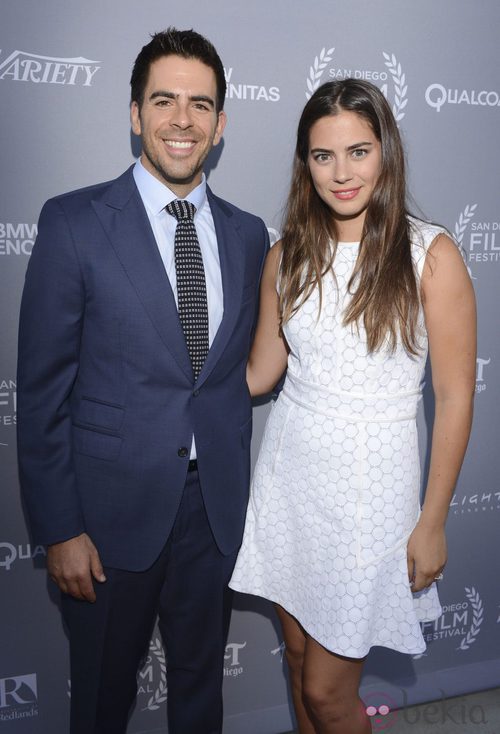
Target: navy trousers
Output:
[(187, 587)]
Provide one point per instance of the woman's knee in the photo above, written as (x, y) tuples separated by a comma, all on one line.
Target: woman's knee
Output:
[(327, 704)]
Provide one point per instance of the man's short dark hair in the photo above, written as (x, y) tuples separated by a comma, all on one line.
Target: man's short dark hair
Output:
[(172, 42)]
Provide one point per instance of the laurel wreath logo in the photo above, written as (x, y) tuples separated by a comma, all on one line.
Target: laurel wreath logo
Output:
[(279, 651), (400, 86), (160, 695), (316, 70), (477, 618), (463, 221)]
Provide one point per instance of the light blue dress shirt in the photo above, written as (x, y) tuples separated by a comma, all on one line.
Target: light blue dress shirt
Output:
[(155, 196)]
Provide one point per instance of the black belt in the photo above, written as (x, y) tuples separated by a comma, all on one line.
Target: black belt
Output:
[(193, 465)]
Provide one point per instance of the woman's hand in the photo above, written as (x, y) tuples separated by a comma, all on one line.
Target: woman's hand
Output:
[(426, 555)]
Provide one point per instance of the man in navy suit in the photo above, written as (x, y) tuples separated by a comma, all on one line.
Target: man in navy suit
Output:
[(134, 471)]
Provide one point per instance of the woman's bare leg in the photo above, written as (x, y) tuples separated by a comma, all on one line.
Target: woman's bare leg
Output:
[(295, 641), (330, 691)]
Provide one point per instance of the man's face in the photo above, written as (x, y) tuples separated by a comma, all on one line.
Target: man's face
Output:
[(177, 121)]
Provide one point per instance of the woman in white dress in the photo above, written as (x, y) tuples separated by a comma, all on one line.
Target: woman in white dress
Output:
[(352, 298)]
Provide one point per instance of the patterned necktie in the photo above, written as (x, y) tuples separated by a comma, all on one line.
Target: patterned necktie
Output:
[(191, 286)]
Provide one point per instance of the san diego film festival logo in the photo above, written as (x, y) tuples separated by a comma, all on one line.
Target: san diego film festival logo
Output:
[(18, 697), (24, 66), (460, 621), (391, 79), (152, 677), (8, 409), (479, 238)]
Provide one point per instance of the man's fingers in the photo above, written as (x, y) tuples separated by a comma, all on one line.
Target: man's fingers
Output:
[(96, 566)]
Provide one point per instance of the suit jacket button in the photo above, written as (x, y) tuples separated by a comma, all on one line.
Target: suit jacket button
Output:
[(196, 393), (182, 452)]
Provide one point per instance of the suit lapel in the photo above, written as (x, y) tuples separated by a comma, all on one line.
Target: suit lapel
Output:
[(231, 256), (126, 223)]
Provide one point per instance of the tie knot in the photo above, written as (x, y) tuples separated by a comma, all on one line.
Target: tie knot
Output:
[(181, 209)]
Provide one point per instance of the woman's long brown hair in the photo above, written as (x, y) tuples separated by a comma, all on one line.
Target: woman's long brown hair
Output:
[(383, 286)]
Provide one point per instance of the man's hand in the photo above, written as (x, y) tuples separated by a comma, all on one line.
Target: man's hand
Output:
[(72, 564)]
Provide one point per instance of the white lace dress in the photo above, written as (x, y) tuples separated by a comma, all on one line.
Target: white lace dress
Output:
[(335, 493)]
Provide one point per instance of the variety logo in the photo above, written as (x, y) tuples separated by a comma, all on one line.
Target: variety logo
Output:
[(17, 238), (152, 678), (461, 620), (250, 92), (437, 95), (481, 240), (18, 697), (478, 502), (10, 553), (233, 667), (22, 66), (393, 73)]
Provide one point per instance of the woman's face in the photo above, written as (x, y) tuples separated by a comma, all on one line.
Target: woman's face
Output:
[(345, 161)]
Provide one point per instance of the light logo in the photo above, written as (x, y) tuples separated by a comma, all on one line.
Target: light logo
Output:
[(23, 66), (467, 504)]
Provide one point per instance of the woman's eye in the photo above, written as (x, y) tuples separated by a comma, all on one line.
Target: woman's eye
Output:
[(359, 153)]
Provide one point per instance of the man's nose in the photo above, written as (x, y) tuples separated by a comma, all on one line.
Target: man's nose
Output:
[(181, 117)]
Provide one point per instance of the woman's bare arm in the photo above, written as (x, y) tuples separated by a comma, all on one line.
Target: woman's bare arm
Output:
[(450, 317), (268, 356)]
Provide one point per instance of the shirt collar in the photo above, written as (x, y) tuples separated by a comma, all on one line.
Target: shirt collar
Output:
[(157, 195)]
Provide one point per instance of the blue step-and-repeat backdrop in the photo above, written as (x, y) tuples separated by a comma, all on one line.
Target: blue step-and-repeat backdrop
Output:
[(64, 73)]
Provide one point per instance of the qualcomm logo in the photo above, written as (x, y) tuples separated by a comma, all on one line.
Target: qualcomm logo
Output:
[(393, 73), (233, 668), (18, 697), (251, 92), (436, 95), (23, 66), (10, 553)]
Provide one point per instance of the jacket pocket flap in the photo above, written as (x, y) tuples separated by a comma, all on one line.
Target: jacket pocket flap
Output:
[(99, 414)]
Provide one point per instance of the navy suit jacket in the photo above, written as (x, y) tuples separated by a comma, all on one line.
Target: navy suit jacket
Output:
[(107, 402)]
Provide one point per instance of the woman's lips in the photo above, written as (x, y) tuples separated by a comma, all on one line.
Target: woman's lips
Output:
[(345, 194)]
